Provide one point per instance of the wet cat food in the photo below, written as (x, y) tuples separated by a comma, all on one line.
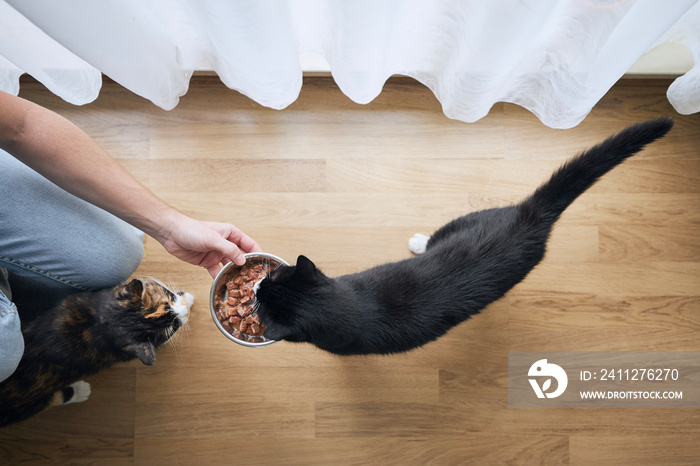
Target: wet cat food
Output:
[(233, 299)]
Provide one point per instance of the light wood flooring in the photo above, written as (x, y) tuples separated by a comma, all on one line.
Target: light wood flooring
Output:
[(347, 185)]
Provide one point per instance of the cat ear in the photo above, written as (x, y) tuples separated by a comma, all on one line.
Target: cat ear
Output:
[(146, 352), (305, 267), (135, 288)]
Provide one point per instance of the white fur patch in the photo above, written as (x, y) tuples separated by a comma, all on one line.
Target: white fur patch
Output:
[(189, 299), (257, 286), (81, 392), (418, 243), (182, 307)]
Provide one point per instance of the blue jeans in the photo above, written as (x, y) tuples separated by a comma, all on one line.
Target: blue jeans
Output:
[(58, 243), (11, 341)]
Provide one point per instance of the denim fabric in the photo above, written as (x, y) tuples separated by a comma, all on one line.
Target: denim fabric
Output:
[(56, 241), (11, 341)]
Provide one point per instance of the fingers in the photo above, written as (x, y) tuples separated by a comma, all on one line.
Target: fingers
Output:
[(238, 243), (210, 244), (244, 242), (231, 252), (214, 270), (227, 243)]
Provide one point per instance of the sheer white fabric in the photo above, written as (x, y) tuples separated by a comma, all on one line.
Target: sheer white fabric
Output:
[(556, 58)]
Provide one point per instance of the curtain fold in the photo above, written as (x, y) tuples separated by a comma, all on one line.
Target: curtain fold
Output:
[(556, 58)]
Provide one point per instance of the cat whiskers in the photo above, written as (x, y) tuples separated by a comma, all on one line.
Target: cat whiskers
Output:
[(256, 303), (256, 306), (173, 335)]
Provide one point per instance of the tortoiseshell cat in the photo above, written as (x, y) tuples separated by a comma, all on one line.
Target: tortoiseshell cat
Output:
[(85, 333), (465, 265)]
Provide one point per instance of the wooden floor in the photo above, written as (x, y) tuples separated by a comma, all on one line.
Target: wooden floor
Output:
[(347, 185)]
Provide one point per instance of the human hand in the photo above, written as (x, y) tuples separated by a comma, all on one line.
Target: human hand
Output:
[(207, 244)]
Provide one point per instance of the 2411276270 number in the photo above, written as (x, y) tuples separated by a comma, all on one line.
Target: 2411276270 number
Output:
[(639, 374)]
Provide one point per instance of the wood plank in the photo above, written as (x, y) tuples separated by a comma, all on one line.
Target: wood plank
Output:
[(347, 185), (472, 448), (644, 449)]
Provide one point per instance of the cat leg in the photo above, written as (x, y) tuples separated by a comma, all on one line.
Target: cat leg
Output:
[(11, 412), (418, 243), (75, 393)]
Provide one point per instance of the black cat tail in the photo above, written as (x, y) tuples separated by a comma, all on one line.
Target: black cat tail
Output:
[(580, 173)]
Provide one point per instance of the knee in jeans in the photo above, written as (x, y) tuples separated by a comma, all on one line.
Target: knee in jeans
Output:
[(115, 265), (131, 257)]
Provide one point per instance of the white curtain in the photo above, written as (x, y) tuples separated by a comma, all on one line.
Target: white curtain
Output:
[(556, 58)]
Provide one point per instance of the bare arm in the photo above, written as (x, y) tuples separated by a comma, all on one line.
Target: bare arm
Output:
[(67, 156)]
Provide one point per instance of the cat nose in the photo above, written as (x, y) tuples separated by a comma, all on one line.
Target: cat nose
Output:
[(188, 299)]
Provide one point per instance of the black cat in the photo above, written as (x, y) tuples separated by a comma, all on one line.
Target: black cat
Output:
[(85, 333), (466, 265)]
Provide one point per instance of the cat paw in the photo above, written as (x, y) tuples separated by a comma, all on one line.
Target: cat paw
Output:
[(418, 243), (81, 392)]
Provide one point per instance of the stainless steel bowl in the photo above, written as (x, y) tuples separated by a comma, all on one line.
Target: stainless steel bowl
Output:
[(219, 295)]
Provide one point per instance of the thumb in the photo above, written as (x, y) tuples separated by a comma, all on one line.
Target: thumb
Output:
[(229, 249)]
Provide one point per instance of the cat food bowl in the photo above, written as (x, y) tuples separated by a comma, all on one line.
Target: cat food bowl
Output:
[(232, 298)]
